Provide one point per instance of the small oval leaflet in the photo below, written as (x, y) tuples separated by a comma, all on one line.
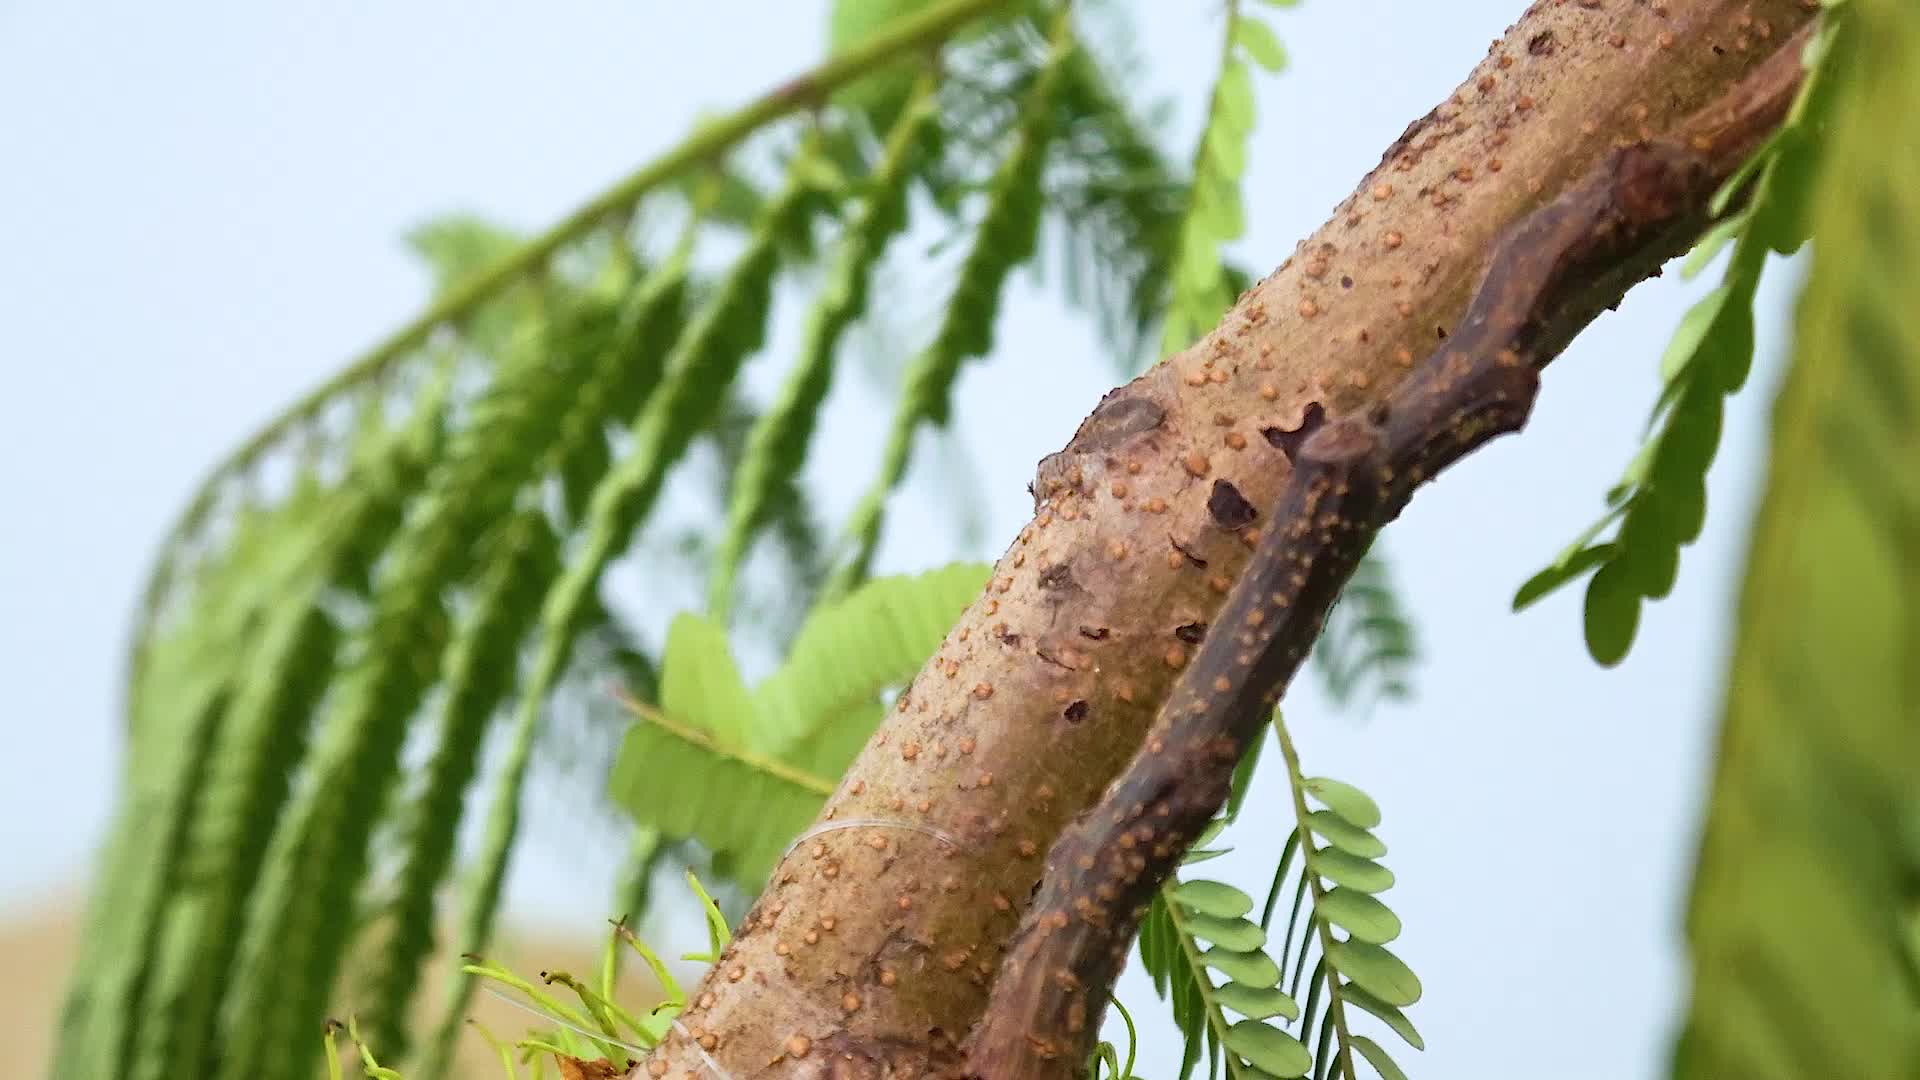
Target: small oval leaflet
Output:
[(1377, 971), (1253, 969), (1239, 935), (1257, 1004), (1387, 1014), (1344, 799), (1345, 835), (1360, 915), (1214, 898), (1377, 1057), (1269, 1048), (1350, 871)]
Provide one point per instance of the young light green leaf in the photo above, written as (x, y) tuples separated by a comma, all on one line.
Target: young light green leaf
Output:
[(1345, 835), (1254, 969), (1353, 994), (1351, 871), (1213, 898), (1257, 1004), (1376, 970), (1360, 915), (1260, 42), (1268, 1048), (1239, 935), (1377, 1057), (1356, 806)]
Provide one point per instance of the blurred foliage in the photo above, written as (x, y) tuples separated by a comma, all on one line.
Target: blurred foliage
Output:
[(1804, 926)]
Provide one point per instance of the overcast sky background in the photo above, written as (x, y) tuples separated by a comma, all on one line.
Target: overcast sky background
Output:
[(200, 217)]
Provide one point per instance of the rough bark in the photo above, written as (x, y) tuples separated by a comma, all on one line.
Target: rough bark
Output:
[(1346, 481), (874, 949)]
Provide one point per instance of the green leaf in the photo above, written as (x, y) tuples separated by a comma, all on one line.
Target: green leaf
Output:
[(821, 705), (1353, 994), (1805, 877), (1360, 915), (1561, 572), (1239, 935), (1260, 43), (1375, 970), (1253, 969), (1693, 329), (1345, 835), (1257, 1004), (1356, 806), (1350, 871), (1613, 613), (1214, 898), (1269, 1049), (1377, 1057)]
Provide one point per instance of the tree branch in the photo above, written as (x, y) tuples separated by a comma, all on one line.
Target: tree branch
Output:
[(1348, 479), (873, 952)]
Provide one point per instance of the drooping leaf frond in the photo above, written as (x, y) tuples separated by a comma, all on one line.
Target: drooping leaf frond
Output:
[(777, 445), (398, 655), (1214, 217), (1802, 922), (480, 668), (1004, 238), (703, 363), (292, 555), (1660, 504)]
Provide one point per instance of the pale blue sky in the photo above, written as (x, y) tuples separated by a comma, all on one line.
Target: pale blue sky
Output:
[(200, 212)]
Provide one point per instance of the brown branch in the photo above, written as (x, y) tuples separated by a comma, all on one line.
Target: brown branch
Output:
[(873, 952), (1348, 479)]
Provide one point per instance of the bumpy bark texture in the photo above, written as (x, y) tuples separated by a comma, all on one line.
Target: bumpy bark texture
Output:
[(874, 948), (1348, 479)]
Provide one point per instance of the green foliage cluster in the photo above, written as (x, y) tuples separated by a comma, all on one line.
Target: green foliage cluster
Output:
[(1202, 290), (1660, 503), (743, 771), (1198, 927)]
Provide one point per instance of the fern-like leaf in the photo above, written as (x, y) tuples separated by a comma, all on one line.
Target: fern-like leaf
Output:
[(728, 329), (1659, 505), (1802, 921), (479, 674), (1357, 969), (777, 445), (1004, 238), (283, 558), (397, 657), (1215, 218), (780, 746)]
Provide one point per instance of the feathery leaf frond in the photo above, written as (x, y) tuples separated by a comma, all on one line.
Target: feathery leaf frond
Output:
[(780, 745), (1004, 238), (1660, 503), (777, 445)]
